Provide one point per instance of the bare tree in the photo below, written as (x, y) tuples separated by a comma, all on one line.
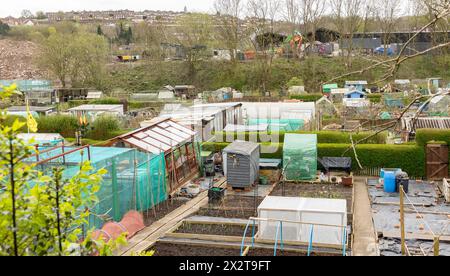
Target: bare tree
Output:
[(348, 16), (230, 25), (387, 15), (263, 15), (311, 12), (292, 13)]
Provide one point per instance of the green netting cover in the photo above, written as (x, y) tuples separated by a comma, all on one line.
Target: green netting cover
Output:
[(280, 124), (134, 180), (300, 156)]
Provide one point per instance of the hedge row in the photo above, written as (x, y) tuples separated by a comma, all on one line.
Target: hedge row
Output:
[(102, 128), (131, 104), (410, 158), (307, 97), (423, 136), (322, 136), (66, 125), (375, 98)]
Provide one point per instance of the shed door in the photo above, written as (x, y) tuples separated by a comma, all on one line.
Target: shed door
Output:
[(437, 161)]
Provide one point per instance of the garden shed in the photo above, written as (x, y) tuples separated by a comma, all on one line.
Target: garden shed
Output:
[(326, 88), (205, 119), (298, 115), (357, 85), (439, 106), (176, 141), (300, 156), (322, 221), (241, 160)]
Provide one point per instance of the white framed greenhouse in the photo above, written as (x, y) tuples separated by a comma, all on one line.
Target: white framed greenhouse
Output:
[(327, 218)]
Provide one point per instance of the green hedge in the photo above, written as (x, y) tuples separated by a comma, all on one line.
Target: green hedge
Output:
[(75, 103), (268, 150), (66, 125), (106, 101), (423, 136), (322, 136), (374, 98), (103, 128), (307, 97), (410, 158)]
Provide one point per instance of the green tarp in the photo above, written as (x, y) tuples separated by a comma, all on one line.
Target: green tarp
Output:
[(280, 124), (300, 156)]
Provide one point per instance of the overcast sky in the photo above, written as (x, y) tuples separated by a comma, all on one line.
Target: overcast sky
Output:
[(15, 7)]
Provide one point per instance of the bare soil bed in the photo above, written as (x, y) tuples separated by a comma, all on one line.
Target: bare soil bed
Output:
[(214, 229), (266, 252), (172, 249), (235, 213), (161, 210), (238, 201), (233, 206), (320, 190)]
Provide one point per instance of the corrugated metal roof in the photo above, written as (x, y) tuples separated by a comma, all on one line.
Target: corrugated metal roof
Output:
[(426, 122), (241, 147), (159, 137)]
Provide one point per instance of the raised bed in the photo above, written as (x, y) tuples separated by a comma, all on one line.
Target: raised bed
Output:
[(161, 210), (173, 249), (213, 229)]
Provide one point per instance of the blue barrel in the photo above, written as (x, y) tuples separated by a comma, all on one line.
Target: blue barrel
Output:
[(389, 182), (387, 170)]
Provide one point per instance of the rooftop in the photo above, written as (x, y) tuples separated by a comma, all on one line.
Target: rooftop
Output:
[(241, 147), (99, 107)]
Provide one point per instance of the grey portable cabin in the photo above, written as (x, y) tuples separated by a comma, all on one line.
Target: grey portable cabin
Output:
[(242, 164)]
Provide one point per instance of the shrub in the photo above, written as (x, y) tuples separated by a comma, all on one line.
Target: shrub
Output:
[(322, 136), (75, 103), (423, 136), (268, 150), (66, 125), (410, 158), (307, 97), (374, 98), (106, 101), (10, 119), (103, 128)]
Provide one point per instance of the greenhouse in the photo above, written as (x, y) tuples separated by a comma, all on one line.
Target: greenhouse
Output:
[(279, 124), (134, 180), (300, 156)]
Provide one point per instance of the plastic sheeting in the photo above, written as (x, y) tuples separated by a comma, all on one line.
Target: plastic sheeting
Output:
[(279, 124), (131, 223), (328, 217), (336, 163), (300, 156)]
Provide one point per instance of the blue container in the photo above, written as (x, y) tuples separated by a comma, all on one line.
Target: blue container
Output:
[(388, 170), (389, 182)]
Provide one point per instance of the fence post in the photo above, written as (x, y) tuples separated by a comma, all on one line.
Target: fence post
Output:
[(115, 191), (402, 220), (436, 246)]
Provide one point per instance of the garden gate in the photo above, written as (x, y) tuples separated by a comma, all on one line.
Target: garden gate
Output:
[(437, 161)]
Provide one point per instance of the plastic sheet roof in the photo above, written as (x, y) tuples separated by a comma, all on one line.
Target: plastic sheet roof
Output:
[(160, 137)]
